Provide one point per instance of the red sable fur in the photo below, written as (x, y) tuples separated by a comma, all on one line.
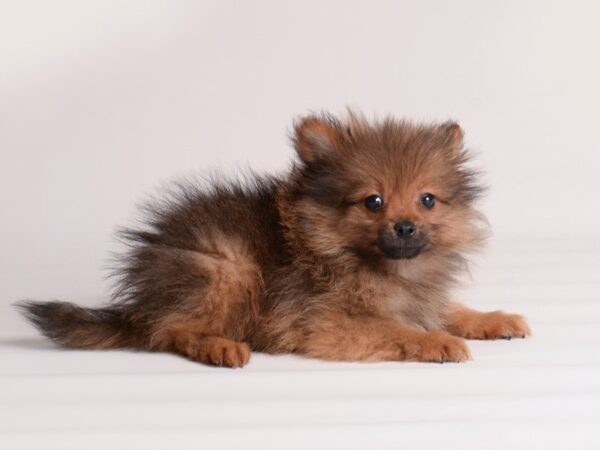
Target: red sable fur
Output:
[(299, 264)]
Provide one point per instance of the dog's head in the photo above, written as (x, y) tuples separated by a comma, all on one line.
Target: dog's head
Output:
[(383, 191)]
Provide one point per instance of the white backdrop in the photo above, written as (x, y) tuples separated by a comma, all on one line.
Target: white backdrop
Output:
[(102, 101)]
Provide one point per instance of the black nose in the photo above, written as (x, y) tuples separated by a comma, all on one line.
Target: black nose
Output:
[(405, 230)]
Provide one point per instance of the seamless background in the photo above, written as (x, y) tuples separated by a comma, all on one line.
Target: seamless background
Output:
[(101, 102)]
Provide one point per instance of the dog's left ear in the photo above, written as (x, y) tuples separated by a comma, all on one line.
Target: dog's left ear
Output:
[(316, 138), (453, 135)]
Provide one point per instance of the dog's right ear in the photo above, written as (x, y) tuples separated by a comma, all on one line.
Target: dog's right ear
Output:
[(453, 134), (316, 137)]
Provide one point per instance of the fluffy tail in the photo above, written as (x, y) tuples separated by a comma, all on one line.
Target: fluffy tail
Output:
[(77, 327)]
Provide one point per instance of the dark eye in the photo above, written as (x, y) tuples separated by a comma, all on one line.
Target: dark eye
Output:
[(428, 200), (374, 202)]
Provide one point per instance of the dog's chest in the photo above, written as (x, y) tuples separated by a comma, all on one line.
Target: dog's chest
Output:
[(417, 307), (413, 304)]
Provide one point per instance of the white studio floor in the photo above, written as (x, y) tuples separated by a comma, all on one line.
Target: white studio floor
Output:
[(543, 392)]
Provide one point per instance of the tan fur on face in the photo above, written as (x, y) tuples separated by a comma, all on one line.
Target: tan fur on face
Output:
[(396, 160), (298, 264)]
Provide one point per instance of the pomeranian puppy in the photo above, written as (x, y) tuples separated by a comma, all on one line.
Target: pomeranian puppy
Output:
[(350, 256)]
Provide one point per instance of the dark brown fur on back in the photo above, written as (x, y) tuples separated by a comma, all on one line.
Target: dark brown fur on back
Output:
[(300, 264)]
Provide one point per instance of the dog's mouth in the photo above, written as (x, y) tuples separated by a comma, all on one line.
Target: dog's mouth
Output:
[(402, 252), (394, 247)]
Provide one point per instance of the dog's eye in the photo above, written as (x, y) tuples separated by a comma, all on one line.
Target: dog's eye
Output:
[(374, 202), (428, 200)]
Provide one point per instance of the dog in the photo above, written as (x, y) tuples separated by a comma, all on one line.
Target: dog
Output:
[(349, 256)]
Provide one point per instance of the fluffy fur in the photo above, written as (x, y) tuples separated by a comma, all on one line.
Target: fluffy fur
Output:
[(299, 264)]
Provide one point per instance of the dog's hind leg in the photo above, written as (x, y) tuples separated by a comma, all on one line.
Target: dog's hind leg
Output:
[(206, 303)]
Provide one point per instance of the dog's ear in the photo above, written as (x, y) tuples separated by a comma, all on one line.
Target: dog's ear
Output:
[(316, 138), (452, 134)]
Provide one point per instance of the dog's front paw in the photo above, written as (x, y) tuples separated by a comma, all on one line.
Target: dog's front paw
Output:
[(437, 346), (497, 325)]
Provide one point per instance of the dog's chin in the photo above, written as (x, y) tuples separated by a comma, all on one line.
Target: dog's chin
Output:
[(401, 252)]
